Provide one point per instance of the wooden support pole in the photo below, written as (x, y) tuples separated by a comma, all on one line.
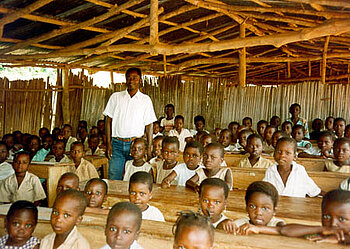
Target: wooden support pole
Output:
[(242, 73), (288, 70), (112, 78), (65, 96), (164, 60), (324, 61), (153, 34), (310, 68)]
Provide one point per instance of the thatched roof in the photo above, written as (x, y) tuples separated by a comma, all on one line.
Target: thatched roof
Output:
[(262, 41)]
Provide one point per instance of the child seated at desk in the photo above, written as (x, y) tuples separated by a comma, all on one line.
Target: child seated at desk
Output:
[(138, 149), (335, 220), (184, 135), (20, 223), (58, 150), (324, 147), (83, 137), (95, 192), (93, 146), (156, 129), (261, 200), (156, 150), (261, 126), (212, 159), (242, 140), (341, 162), (38, 154), (347, 131), (298, 133), (317, 126), (193, 231), (67, 213), (277, 135), (140, 192), (288, 177), (207, 139), (287, 128), (123, 226), (67, 136), (267, 143), (5, 168), (339, 127), (68, 180), (226, 139), (182, 172), (254, 159), (21, 185)]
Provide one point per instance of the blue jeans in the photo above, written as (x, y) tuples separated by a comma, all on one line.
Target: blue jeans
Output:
[(120, 154)]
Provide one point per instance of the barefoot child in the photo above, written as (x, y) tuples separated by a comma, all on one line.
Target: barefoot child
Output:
[(123, 226), (95, 192), (137, 151), (182, 172), (341, 162), (20, 223), (5, 168), (68, 180), (58, 150), (67, 213), (140, 192)]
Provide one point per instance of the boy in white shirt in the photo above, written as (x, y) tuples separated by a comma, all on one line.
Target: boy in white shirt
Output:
[(181, 133)]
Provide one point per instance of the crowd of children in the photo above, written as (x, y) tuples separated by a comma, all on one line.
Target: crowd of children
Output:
[(203, 170)]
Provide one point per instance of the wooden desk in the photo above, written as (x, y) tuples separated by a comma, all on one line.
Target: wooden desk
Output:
[(98, 162)]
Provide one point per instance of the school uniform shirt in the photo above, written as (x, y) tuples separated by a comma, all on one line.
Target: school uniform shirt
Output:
[(268, 148), (298, 183), (220, 174), (331, 166), (303, 122), (30, 189), (222, 218), (98, 152), (262, 163), (6, 170), (303, 143), (272, 223), (69, 142), (345, 185), (182, 136), (30, 243), (167, 124), (130, 169), (65, 159), (134, 245), (158, 134), (233, 148), (129, 115), (152, 213), (40, 155), (162, 173), (183, 173), (85, 171), (316, 151), (74, 240)]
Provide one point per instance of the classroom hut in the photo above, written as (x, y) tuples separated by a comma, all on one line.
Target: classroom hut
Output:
[(222, 59)]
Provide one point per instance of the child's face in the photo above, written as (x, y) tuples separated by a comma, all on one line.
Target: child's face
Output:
[(205, 140), (3, 153), (260, 209), (157, 147), (192, 158), (122, 230), (193, 237), (48, 141), (64, 215), (325, 143), (342, 152), (298, 134), (169, 111), (58, 149), (156, 128), (217, 133), (339, 128), (77, 153), (269, 133), (101, 126), (317, 125), (10, 141), (140, 195), (199, 125), (179, 123), (347, 132), (212, 158), (329, 124), (284, 153), (243, 136), (276, 121), (336, 214), (66, 132), (138, 150), (247, 123), (295, 111), (34, 145), (83, 133), (93, 143), (287, 128), (170, 153), (234, 128), (95, 194), (261, 129), (20, 227), (212, 202), (94, 131), (225, 138), (65, 183), (21, 164), (254, 147), (275, 138)]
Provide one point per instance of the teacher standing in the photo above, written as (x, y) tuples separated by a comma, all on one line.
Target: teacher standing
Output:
[(129, 114)]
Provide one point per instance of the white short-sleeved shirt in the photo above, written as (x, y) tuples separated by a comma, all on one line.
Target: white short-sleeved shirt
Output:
[(298, 183), (129, 115), (5, 170), (152, 213), (134, 245), (130, 169), (183, 134), (183, 173), (167, 124)]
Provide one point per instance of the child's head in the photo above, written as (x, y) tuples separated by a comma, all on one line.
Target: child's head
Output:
[(217, 132), (225, 137), (58, 148), (207, 139), (21, 162), (261, 200), (243, 136), (325, 141), (287, 127), (329, 123), (277, 135), (269, 132), (213, 156), (68, 180), (298, 132), (247, 122), (199, 135), (17, 137), (254, 145), (261, 126), (213, 193), (169, 110), (94, 141), (20, 222), (82, 133), (138, 148), (67, 131), (275, 121), (81, 124), (317, 124), (193, 231), (193, 154), (94, 130), (295, 110), (233, 127), (25, 139), (336, 209), (123, 225), (4, 152), (95, 192), (199, 122), (286, 151), (341, 149), (43, 131), (347, 131), (33, 144), (339, 127), (101, 126), (157, 146), (170, 150), (48, 141), (179, 122), (77, 151), (67, 211), (9, 140), (140, 189), (156, 127)]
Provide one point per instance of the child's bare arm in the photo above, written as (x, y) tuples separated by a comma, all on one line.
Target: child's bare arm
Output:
[(192, 183), (169, 179), (297, 230), (228, 179), (228, 226), (248, 228)]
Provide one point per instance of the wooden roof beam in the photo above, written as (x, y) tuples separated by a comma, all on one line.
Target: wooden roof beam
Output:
[(335, 3), (153, 34)]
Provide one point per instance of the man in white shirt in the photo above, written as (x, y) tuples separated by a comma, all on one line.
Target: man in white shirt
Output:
[(128, 114)]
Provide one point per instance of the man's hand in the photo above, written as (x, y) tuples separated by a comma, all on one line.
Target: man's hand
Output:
[(109, 151)]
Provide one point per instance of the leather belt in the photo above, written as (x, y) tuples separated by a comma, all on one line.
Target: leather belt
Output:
[(128, 139)]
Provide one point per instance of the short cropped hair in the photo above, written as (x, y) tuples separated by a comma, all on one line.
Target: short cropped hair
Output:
[(76, 195), (339, 141), (23, 152), (4, 144), (287, 123), (299, 127), (67, 125), (252, 136), (248, 118), (283, 134), (179, 117), (327, 134), (94, 136), (126, 206), (44, 129), (133, 69), (196, 145), (339, 119), (142, 177), (337, 195), (245, 131), (84, 123), (170, 105), (288, 140), (233, 123), (77, 143), (262, 122), (99, 180), (216, 146), (70, 174), (60, 141), (171, 140), (22, 205), (199, 118), (262, 187), (294, 105), (139, 139), (217, 182), (158, 137), (226, 130)]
